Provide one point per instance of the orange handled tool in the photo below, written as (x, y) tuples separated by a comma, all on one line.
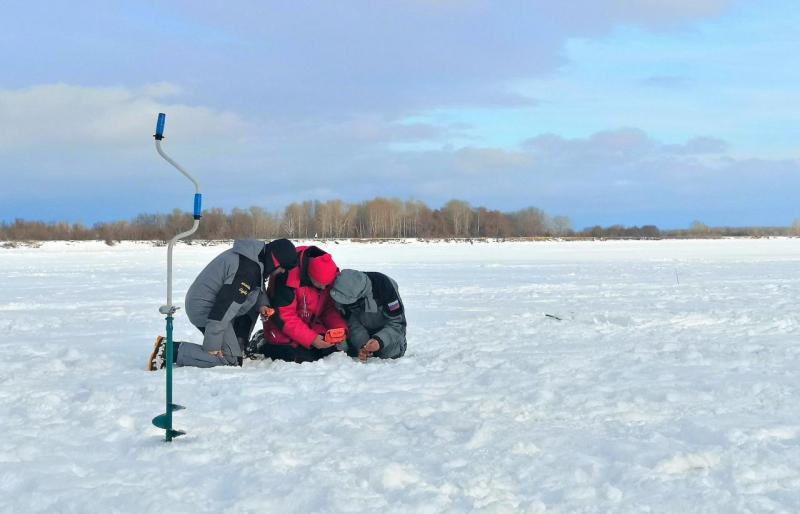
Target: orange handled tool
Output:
[(335, 335)]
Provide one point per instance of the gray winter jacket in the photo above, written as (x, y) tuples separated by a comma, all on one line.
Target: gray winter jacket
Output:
[(228, 287), (371, 304)]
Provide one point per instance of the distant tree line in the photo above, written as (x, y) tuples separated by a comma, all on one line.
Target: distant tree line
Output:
[(697, 229), (377, 218)]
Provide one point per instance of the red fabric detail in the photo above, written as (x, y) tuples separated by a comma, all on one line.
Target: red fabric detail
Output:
[(296, 325), (275, 261), (310, 315), (323, 270)]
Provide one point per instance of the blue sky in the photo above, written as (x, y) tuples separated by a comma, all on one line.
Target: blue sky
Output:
[(605, 111)]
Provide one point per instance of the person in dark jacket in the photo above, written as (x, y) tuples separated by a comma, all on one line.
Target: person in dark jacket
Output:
[(376, 319), (303, 310), (225, 300)]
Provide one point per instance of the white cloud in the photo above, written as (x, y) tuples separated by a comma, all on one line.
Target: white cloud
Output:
[(46, 118)]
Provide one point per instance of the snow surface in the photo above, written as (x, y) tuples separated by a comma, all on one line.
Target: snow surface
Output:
[(670, 385)]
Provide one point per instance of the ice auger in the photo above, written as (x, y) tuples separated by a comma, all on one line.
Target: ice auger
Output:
[(164, 421)]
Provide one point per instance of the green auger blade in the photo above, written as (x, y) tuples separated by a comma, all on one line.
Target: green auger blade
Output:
[(161, 421)]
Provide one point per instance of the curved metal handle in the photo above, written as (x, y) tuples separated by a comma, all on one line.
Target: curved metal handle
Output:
[(198, 209)]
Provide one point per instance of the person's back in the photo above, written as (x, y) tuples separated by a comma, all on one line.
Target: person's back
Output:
[(386, 294), (374, 312), (243, 260)]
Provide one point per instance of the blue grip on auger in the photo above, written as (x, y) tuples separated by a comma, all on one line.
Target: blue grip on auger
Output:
[(198, 205), (162, 118)]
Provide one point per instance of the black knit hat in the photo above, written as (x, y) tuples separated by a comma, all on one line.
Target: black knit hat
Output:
[(282, 251)]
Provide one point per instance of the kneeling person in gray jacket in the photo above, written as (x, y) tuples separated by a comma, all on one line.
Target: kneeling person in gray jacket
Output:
[(376, 320), (224, 302)]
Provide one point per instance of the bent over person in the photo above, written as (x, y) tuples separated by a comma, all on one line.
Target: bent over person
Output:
[(376, 319), (225, 300), (303, 310)]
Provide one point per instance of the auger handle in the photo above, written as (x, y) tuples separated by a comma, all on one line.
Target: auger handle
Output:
[(162, 119)]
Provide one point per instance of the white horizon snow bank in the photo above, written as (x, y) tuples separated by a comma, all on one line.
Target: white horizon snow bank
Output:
[(671, 384)]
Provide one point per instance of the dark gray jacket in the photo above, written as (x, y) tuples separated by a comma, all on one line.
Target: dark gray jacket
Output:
[(371, 304), (228, 287)]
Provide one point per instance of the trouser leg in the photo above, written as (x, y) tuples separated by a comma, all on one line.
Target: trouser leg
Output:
[(395, 350), (190, 354)]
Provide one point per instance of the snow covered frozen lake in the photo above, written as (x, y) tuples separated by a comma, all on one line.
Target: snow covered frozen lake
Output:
[(670, 385)]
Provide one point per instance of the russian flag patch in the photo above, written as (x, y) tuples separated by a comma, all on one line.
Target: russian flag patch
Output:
[(395, 305)]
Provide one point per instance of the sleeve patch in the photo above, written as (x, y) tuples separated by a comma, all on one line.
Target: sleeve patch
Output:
[(394, 306)]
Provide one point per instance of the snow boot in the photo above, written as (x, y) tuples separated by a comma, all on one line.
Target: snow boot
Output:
[(255, 348), (157, 358)]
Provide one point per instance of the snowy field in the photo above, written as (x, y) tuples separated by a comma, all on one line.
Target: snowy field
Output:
[(671, 384)]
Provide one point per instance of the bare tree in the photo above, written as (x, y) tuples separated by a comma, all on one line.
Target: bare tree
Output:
[(795, 228), (214, 224), (265, 225), (293, 220), (241, 224), (530, 222), (458, 214), (561, 226), (699, 228)]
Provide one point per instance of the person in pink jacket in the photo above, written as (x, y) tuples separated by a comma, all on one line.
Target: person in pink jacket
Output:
[(303, 310)]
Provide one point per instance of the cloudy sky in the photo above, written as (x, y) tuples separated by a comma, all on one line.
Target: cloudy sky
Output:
[(606, 111)]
